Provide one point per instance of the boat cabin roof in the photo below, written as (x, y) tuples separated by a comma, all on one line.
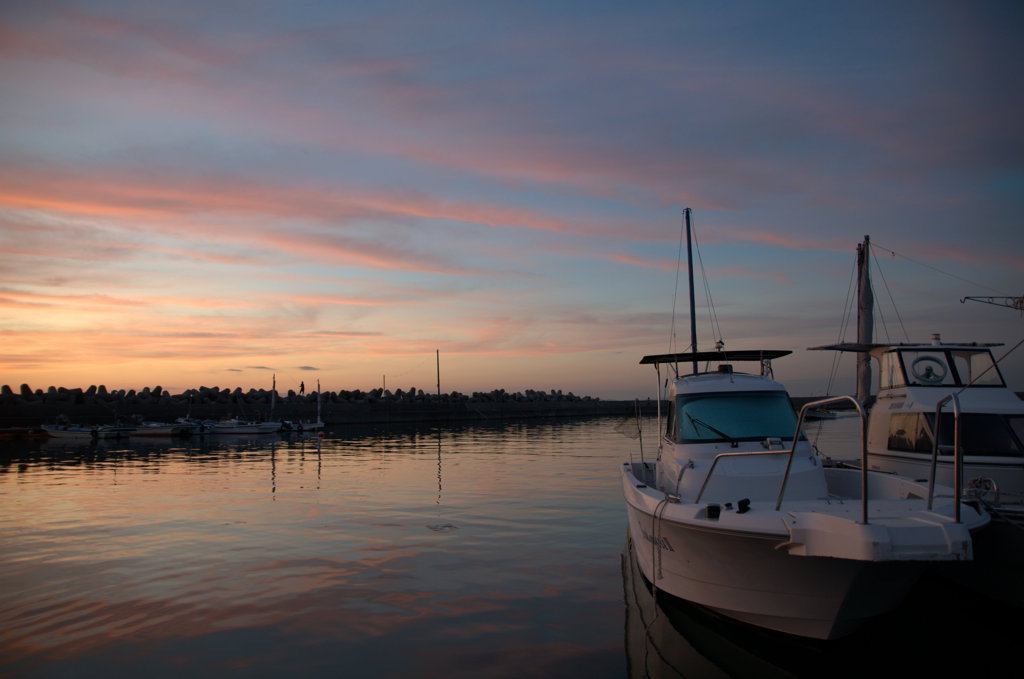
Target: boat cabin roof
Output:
[(757, 355), (935, 364), (871, 348), (723, 383)]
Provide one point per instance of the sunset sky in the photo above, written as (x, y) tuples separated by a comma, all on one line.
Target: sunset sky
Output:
[(213, 193)]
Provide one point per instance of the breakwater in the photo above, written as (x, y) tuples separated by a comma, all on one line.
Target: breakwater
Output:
[(96, 405)]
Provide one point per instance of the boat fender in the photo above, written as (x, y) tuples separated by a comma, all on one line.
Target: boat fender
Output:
[(744, 506)]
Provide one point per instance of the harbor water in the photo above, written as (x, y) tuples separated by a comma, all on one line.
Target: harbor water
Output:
[(476, 550)]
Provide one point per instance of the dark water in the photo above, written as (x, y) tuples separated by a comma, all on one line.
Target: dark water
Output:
[(472, 551)]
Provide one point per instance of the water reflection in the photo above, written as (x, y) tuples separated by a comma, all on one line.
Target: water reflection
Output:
[(396, 552), (487, 550)]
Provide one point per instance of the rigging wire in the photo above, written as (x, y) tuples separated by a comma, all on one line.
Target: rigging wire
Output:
[(712, 314), (895, 309), (881, 316), (933, 268), (998, 360), (843, 327), (837, 356)]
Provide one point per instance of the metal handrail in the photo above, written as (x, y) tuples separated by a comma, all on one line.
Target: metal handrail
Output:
[(792, 451), (958, 456), (714, 463), (958, 453), (863, 449)]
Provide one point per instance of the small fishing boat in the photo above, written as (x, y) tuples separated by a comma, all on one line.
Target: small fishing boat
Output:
[(164, 429), (88, 431), (114, 431), (69, 431), (236, 426), (737, 513)]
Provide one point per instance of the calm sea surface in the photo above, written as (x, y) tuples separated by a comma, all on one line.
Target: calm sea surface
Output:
[(491, 550)]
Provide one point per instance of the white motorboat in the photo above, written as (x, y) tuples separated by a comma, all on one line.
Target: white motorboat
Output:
[(88, 431), (114, 431), (236, 426), (738, 514), (930, 393), (934, 399), (69, 431), (164, 429), (938, 397)]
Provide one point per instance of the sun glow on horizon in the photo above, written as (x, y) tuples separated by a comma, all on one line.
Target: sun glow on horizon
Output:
[(343, 194)]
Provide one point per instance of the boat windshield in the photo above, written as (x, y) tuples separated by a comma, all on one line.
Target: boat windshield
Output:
[(734, 416), (948, 368)]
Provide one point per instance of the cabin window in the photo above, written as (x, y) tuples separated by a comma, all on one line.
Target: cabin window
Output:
[(980, 433), (1016, 424), (977, 368), (734, 416), (670, 429), (909, 432), (891, 373), (928, 369)]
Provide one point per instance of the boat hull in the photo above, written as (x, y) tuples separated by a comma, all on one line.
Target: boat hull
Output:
[(758, 571), (69, 432), (745, 577), (164, 430)]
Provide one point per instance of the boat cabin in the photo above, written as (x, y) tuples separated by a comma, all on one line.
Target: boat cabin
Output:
[(744, 409), (944, 366), (914, 378), (705, 408)]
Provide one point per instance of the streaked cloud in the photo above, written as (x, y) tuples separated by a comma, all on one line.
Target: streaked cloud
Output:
[(185, 187)]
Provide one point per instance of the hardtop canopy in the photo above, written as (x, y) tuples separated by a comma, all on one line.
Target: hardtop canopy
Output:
[(726, 356), (870, 347)]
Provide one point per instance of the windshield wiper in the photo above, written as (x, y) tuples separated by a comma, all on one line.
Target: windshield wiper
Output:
[(694, 421)]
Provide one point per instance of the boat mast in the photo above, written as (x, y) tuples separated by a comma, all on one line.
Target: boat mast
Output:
[(865, 320), (689, 263)]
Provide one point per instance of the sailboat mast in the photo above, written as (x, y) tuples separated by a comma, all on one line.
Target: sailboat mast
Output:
[(689, 266), (865, 320)]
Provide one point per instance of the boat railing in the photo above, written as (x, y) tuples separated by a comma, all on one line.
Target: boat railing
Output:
[(792, 451), (863, 453), (796, 439), (958, 453), (863, 448), (720, 456)]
